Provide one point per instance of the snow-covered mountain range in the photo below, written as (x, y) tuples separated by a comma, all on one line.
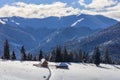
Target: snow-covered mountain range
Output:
[(46, 33), (83, 20)]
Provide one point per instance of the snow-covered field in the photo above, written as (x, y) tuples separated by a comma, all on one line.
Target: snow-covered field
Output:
[(87, 72), (16, 70)]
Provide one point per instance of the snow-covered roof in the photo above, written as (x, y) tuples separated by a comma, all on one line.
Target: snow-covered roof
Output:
[(62, 64), (42, 60)]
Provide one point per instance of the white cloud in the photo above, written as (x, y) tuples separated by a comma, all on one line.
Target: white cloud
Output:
[(110, 14), (82, 3), (37, 11), (109, 8), (98, 4), (101, 4)]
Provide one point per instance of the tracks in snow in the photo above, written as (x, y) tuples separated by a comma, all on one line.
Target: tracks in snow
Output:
[(49, 74)]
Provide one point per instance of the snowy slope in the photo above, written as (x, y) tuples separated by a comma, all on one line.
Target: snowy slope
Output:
[(86, 72), (21, 71), (74, 24), (2, 22), (16, 70)]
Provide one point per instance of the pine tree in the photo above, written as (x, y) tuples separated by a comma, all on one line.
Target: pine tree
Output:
[(96, 56), (65, 55), (80, 55), (13, 56), (31, 57), (58, 57), (40, 55), (84, 57), (6, 50), (106, 56), (52, 56), (46, 56), (23, 54), (70, 57), (34, 58), (75, 57), (28, 56)]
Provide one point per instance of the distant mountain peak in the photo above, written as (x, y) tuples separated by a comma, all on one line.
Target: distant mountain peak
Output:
[(82, 20)]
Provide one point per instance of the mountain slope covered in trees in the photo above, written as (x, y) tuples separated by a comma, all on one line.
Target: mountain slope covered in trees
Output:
[(108, 38)]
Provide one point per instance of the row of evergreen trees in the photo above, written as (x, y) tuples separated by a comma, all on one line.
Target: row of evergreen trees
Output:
[(63, 55), (7, 54), (60, 55), (30, 57), (24, 55)]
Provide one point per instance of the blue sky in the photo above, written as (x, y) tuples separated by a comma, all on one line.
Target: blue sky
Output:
[(69, 2), (59, 8)]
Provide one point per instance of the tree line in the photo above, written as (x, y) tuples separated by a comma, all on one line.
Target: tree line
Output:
[(60, 54), (63, 55), (24, 56)]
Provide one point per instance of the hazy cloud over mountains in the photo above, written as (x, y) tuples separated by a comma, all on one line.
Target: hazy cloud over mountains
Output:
[(110, 8)]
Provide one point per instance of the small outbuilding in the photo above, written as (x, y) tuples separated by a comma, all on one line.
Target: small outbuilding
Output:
[(44, 63), (62, 66)]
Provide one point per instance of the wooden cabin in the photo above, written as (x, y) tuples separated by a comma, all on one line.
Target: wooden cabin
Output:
[(44, 63)]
